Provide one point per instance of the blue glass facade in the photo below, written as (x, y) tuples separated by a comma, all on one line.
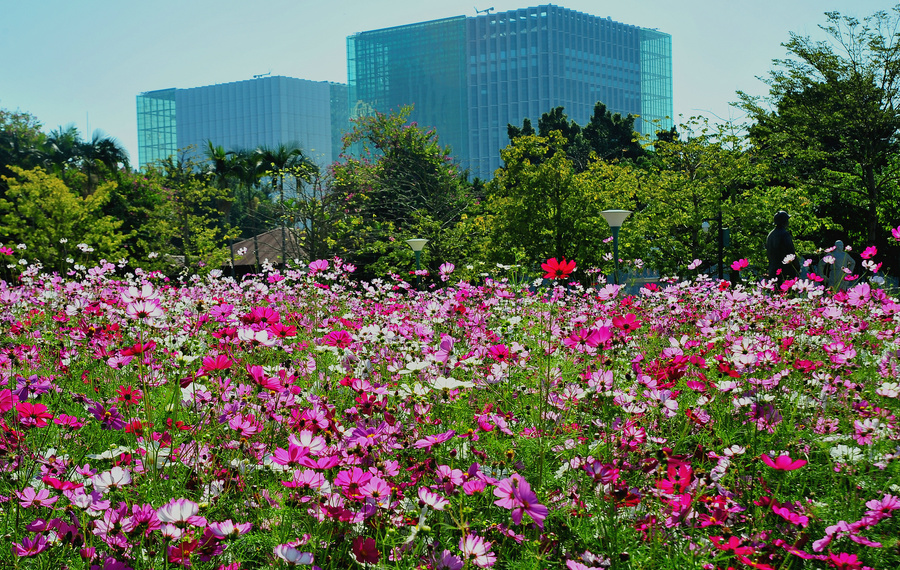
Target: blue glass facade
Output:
[(157, 137), (266, 111), (509, 66)]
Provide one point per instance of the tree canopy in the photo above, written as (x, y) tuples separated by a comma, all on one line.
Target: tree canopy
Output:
[(831, 119)]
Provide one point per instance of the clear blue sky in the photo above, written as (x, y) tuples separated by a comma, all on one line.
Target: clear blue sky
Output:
[(83, 62)]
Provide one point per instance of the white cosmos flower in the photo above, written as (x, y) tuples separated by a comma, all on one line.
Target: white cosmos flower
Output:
[(441, 382), (114, 478), (845, 454)]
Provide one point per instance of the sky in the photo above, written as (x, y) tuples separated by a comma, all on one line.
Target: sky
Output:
[(84, 62)]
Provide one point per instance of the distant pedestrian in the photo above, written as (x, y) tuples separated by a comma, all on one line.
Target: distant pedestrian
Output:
[(783, 262)]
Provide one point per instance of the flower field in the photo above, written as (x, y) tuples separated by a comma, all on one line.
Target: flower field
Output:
[(306, 419)]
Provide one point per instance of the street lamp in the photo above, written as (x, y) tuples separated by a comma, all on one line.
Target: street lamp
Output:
[(417, 245), (615, 218)]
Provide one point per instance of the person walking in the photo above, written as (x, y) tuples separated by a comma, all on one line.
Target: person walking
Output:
[(780, 250)]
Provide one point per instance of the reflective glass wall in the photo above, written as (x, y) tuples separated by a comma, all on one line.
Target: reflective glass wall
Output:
[(656, 82), (421, 65), (157, 131)]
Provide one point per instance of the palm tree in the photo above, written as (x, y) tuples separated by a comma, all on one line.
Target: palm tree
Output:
[(101, 152), (63, 148), (105, 150), (280, 161), (223, 168)]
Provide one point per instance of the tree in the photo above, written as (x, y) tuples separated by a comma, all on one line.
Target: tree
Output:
[(608, 136), (40, 210), (198, 208), (21, 141), (537, 203), (707, 174), (831, 119), (399, 183)]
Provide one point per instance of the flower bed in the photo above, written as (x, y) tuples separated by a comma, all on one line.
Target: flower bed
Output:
[(306, 419)]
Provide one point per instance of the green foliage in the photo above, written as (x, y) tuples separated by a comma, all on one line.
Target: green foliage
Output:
[(539, 205), (607, 136), (40, 211), (144, 205), (20, 142), (198, 209), (401, 183), (830, 121)]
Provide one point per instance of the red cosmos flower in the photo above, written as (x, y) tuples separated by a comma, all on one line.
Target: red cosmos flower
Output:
[(128, 395), (733, 545), (783, 462), (217, 362), (365, 550), (558, 269), (627, 323), (7, 400), (138, 348), (844, 561)]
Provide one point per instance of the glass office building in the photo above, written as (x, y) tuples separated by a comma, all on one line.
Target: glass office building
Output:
[(266, 111), (470, 77), (156, 125)]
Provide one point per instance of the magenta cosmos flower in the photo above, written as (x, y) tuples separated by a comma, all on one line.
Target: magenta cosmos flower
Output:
[(783, 462)]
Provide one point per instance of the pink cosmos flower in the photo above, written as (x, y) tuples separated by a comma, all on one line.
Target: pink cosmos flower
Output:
[(740, 264), (217, 362), (29, 497), (586, 340), (844, 561), (869, 252), (290, 455), (445, 270), (318, 266), (430, 441), (245, 424), (378, 490), (896, 233), (733, 545), (783, 462), (447, 561), (340, 339), (515, 494), (7, 400), (291, 555), (787, 513), (351, 481), (478, 550)]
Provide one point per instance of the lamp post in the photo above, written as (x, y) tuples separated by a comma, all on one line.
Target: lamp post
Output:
[(615, 218), (417, 245)]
